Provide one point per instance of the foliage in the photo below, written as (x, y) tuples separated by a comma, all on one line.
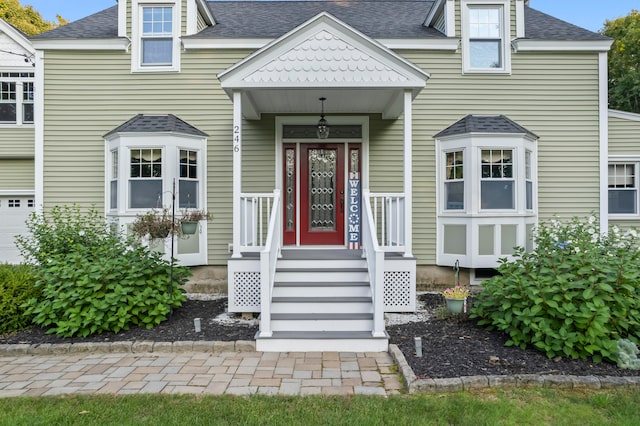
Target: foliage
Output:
[(575, 296), (628, 355), (195, 216), (26, 18), (457, 292), (17, 285), (624, 62), (92, 279), (156, 224)]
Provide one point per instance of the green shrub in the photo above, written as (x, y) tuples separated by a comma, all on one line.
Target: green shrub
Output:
[(17, 285), (575, 296), (92, 279)]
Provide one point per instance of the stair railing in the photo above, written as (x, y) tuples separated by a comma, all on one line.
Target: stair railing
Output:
[(255, 213), (269, 255), (375, 263), (388, 218)]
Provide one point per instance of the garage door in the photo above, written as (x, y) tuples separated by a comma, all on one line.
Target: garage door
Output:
[(14, 211)]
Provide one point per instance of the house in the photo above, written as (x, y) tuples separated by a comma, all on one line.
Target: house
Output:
[(348, 150), (17, 137)]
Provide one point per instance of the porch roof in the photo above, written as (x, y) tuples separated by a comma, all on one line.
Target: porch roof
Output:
[(323, 57)]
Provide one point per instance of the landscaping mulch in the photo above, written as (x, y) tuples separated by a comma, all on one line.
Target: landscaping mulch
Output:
[(452, 345)]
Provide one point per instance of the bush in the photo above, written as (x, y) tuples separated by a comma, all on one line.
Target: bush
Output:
[(575, 296), (17, 285), (92, 279)]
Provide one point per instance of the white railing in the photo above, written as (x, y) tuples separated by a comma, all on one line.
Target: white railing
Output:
[(375, 263), (268, 258), (255, 211), (388, 218)]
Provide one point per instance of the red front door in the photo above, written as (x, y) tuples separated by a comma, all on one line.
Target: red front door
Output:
[(322, 198)]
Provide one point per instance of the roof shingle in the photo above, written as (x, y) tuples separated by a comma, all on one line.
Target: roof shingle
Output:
[(143, 123), (485, 124)]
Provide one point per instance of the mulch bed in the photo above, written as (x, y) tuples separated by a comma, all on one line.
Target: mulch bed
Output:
[(452, 346)]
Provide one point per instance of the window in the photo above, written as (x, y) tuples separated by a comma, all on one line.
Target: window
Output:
[(497, 189), (528, 180), (188, 184), (485, 28), (145, 184), (454, 181), (157, 36), (485, 37), (16, 98), (113, 202), (623, 188)]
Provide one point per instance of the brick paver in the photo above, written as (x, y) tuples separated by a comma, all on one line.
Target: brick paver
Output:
[(237, 373)]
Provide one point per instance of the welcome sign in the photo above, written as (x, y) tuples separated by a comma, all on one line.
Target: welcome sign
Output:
[(353, 217)]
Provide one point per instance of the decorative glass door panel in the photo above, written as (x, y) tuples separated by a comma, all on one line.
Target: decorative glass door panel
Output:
[(322, 194)]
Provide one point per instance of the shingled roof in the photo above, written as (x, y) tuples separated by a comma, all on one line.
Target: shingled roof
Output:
[(485, 124), (167, 123), (271, 19)]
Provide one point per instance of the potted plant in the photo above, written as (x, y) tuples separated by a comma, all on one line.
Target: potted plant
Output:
[(455, 298), (189, 220), (156, 224)]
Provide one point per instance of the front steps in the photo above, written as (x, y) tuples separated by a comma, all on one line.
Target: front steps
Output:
[(321, 302)]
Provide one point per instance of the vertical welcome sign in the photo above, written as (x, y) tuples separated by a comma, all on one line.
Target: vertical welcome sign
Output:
[(353, 218)]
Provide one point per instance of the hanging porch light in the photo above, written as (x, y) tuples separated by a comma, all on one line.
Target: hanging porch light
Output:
[(322, 130)]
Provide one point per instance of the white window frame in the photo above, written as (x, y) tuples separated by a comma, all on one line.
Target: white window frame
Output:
[(635, 163), (505, 35), (447, 179), (138, 36), (515, 168), (7, 76)]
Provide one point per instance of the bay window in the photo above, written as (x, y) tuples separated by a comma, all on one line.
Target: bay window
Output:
[(487, 202)]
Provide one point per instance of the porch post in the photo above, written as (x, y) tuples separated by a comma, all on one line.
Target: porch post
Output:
[(237, 171), (408, 174)]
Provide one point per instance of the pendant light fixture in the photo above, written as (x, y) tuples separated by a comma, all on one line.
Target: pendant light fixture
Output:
[(323, 127)]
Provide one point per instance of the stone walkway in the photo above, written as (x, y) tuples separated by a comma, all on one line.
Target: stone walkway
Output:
[(238, 373)]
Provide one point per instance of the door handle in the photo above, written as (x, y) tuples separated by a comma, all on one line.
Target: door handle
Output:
[(341, 205)]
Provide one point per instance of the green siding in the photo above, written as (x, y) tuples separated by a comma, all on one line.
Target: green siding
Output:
[(624, 136), (17, 142), (553, 95), (16, 174), (105, 95)]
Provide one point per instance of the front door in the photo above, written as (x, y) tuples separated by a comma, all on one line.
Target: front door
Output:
[(322, 198)]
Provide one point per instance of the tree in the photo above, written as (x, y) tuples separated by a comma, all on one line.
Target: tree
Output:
[(624, 62), (26, 18)]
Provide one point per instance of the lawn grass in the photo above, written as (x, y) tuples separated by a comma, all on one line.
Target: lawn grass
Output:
[(489, 407)]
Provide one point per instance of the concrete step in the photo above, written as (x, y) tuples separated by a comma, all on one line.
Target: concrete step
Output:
[(319, 341)]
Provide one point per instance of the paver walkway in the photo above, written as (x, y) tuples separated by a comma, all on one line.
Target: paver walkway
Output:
[(240, 373)]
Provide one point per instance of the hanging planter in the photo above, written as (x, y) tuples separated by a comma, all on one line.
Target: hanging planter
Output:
[(188, 228), (455, 305), (455, 298), (155, 224)]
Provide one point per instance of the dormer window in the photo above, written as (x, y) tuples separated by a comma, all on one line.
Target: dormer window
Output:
[(485, 31), (156, 30)]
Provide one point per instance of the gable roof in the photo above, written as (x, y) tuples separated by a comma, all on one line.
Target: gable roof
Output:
[(485, 124), (270, 19), (154, 123)]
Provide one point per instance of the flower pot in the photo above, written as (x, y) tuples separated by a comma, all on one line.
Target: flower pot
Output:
[(189, 228), (455, 305), (160, 233)]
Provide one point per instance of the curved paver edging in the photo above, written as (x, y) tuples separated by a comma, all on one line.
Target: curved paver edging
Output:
[(456, 384), (138, 346)]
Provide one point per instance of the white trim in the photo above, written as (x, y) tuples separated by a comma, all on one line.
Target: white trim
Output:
[(604, 140), (561, 45), (624, 115), (38, 119), (122, 18), (259, 43), (192, 17), (435, 10), (504, 39), (520, 22), (635, 161), (16, 192), (82, 44), (451, 18)]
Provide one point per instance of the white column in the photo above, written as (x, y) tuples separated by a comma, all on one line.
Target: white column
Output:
[(237, 170), (408, 174), (39, 130)]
